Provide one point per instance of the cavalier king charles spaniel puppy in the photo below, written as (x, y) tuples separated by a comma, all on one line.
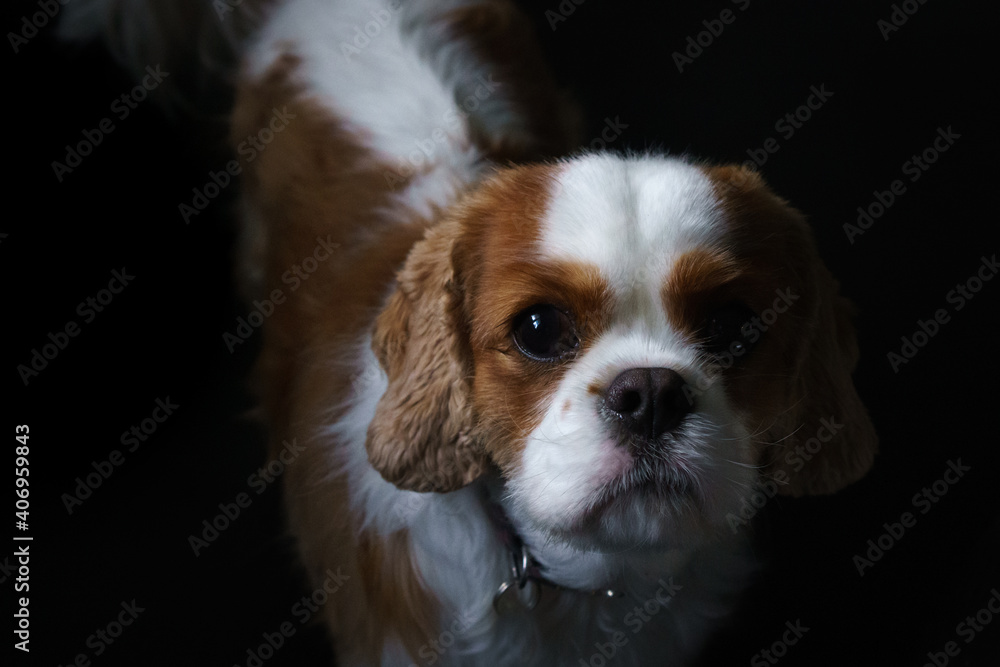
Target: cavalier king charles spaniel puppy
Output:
[(535, 388)]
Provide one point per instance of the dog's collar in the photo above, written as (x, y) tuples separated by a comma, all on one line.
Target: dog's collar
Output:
[(522, 588)]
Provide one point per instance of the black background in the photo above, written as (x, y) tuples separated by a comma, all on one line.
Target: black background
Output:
[(162, 336)]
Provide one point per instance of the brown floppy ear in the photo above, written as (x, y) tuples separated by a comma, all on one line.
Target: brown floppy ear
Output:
[(420, 438), (829, 441), (823, 440)]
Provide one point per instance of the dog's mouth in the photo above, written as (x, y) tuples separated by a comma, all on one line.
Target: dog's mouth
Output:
[(659, 482), (653, 491)]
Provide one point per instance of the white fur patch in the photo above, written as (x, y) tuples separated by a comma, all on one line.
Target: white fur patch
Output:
[(399, 84), (629, 217)]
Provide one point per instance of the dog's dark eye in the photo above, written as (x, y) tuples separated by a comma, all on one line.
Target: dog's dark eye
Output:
[(732, 330), (544, 333)]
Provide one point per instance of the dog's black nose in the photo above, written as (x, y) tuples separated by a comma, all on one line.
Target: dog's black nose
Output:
[(648, 401)]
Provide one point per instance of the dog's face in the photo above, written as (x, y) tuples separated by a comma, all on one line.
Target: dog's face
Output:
[(633, 343)]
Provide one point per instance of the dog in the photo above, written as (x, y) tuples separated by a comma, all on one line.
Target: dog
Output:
[(534, 386)]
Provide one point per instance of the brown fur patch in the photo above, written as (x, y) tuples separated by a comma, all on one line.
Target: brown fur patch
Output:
[(315, 181), (505, 275), (391, 581), (421, 436), (698, 281)]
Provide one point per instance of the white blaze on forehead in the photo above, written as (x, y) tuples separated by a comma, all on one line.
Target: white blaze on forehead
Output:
[(630, 217)]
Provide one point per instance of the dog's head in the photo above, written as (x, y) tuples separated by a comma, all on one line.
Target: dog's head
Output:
[(633, 342)]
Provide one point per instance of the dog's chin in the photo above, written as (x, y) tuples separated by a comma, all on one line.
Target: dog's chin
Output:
[(646, 515), (636, 496)]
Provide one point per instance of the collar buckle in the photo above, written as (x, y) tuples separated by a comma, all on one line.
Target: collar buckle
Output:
[(520, 592)]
